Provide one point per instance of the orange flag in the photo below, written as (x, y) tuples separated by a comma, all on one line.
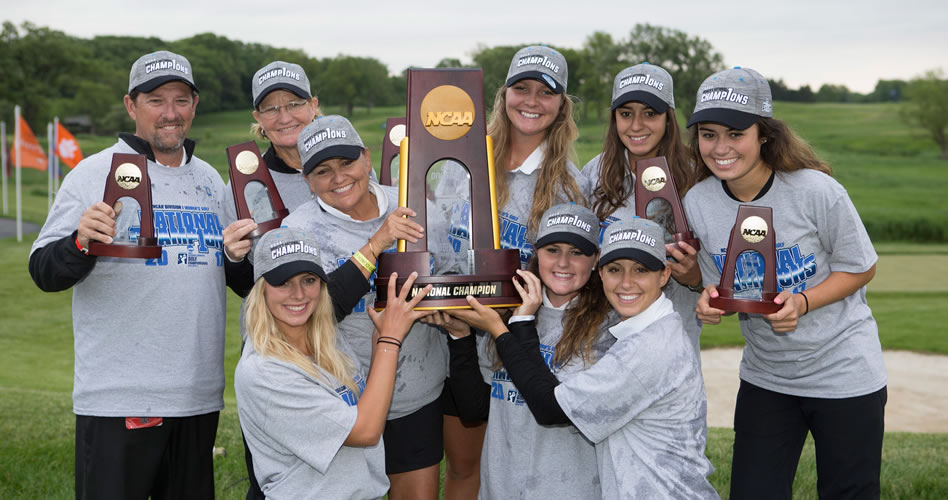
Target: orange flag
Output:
[(33, 155), (67, 147)]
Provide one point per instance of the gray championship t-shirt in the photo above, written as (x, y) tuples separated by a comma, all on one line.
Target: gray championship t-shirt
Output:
[(523, 459), (834, 351), (149, 333), (643, 404), (684, 300), (295, 426), (422, 362)]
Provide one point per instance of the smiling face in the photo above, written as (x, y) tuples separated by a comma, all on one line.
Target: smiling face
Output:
[(531, 107), (163, 117), (640, 129), (631, 287), (293, 302), (564, 270), (283, 115), (733, 155), (344, 185)]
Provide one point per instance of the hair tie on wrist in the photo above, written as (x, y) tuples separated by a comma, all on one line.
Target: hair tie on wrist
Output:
[(807, 302), (389, 340)]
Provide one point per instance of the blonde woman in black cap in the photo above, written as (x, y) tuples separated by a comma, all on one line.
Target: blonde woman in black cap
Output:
[(642, 403), (643, 125), (533, 132), (309, 415), (815, 366)]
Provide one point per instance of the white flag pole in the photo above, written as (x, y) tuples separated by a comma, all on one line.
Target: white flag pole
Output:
[(3, 162), (19, 157), (55, 157), (49, 166)]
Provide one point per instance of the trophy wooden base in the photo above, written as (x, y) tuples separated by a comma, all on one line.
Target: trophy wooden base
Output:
[(147, 248), (689, 238), (727, 302), (266, 226), (492, 286)]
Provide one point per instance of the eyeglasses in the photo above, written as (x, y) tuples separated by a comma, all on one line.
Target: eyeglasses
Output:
[(292, 107)]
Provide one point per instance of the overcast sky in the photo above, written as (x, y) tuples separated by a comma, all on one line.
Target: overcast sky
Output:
[(804, 41)]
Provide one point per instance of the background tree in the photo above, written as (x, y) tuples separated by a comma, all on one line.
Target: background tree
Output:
[(689, 60), (348, 81), (926, 106), (600, 63)]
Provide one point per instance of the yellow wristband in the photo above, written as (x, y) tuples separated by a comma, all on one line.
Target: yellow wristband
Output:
[(364, 262)]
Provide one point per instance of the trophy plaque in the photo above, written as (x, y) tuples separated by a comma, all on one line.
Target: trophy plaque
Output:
[(752, 231), (445, 121), (255, 194), (129, 178), (391, 142), (653, 180)]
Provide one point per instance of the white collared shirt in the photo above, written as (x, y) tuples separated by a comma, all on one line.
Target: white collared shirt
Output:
[(661, 307), (374, 188), (533, 162)]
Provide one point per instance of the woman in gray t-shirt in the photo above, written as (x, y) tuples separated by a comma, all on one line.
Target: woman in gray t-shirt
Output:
[(642, 402), (815, 366), (310, 418)]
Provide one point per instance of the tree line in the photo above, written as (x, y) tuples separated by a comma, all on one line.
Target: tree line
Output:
[(49, 72)]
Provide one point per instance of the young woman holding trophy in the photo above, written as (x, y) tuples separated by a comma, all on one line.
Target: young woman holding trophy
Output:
[(533, 133), (814, 366), (643, 125), (350, 210), (520, 458), (310, 416), (640, 400)]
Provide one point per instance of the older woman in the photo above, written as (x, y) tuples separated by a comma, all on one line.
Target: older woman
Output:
[(348, 208)]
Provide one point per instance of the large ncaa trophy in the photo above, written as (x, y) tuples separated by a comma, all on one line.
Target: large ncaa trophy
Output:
[(129, 178), (654, 181), (391, 142), (248, 170), (445, 121), (752, 231)]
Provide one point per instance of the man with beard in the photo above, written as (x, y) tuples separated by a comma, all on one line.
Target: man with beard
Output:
[(148, 333)]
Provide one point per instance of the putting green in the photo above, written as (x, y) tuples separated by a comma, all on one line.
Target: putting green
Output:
[(911, 273)]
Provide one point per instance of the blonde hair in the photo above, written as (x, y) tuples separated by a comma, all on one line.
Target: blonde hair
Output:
[(268, 340), (553, 177)]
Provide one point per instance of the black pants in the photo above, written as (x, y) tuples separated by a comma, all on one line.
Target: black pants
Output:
[(769, 432), (174, 460)]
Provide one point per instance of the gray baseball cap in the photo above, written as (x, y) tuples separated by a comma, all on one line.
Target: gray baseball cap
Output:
[(327, 137), (153, 70), (539, 62), (285, 252), (279, 75), (734, 97), (569, 223), (645, 83), (638, 239)]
